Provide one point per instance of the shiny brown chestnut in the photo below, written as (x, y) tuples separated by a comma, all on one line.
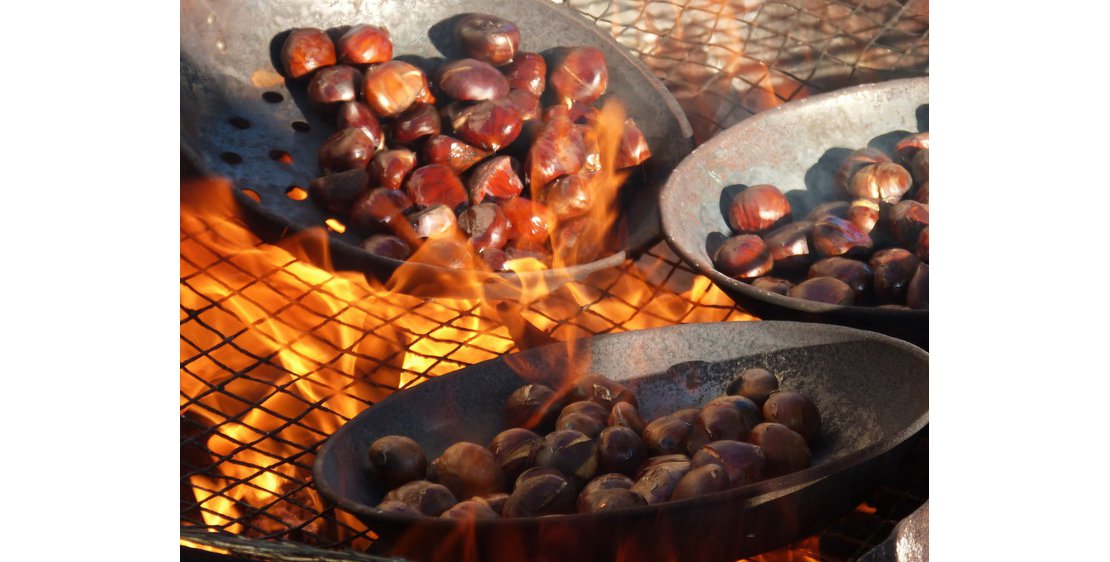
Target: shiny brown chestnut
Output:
[(387, 246), (602, 390), (538, 471), (917, 294), (393, 86), (609, 481), (347, 149), (667, 435), (919, 167), (785, 450), (446, 252), (515, 450), (528, 105), (530, 223), (789, 245), (620, 450), (472, 80), (757, 209), (823, 289), (625, 414), (567, 197), (579, 240), (580, 75), (894, 268), (839, 237), (489, 125), (922, 195), (418, 121), (855, 161), (571, 452), (557, 151), (775, 285), (750, 412), (469, 469), (496, 177), (544, 494), (435, 184), (704, 480), (469, 510), (357, 115), (397, 459), (911, 146), (922, 251), (658, 482), (743, 462), (856, 274), (838, 209), (527, 72), (389, 168), (434, 222), (336, 193), (533, 406), (592, 146), (609, 500), (586, 425), (687, 415), (794, 410), (365, 44), (485, 226), (381, 210), (880, 182), (716, 422), (489, 38), (657, 460), (305, 50), (333, 85), (633, 149), (907, 219), (753, 383), (864, 213), (743, 257), (452, 152), (428, 498)]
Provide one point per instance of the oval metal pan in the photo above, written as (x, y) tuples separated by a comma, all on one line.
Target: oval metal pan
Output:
[(872, 391), (796, 147), (228, 60)]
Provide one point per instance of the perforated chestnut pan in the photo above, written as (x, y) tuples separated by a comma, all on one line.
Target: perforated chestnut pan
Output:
[(238, 114), (872, 392)]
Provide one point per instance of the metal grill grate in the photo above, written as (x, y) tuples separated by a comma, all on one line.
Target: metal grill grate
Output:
[(276, 354)]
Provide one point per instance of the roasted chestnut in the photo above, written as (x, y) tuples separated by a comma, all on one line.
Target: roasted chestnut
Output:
[(922, 195), (794, 410), (496, 501), (571, 452), (446, 252), (357, 115), (337, 192), (907, 219), (627, 415), (528, 105), (515, 450), (470, 510), (490, 124), (917, 294), (773, 284), (488, 38), (435, 184), (533, 406), (365, 44), (658, 482), (743, 462), (452, 152), (485, 226), (381, 210), (658, 460), (543, 494), (823, 289), (755, 384), (389, 168), (433, 222), (557, 151), (567, 197), (743, 257), (707, 479), (609, 500), (750, 412), (893, 267), (908, 148), (667, 435), (334, 85), (585, 407), (864, 213), (856, 161), (387, 246), (586, 425), (527, 72), (397, 459), (838, 209), (496, 177), (530, 223), (398, 507), (472, 80), (305, 50), (428, 498), (786, 451), (393, 86), (469, 469), (880, 182), (856, 274), (601, 390), (620, 450), (716, 422), (922, 251), (839, 237), (610, 481), (789, 245), (633, 149), (347, 149), (757, 209), (418, 121), (580, 75)]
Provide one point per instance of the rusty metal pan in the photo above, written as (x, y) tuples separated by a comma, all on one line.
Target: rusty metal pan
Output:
[(872, 392), (236, 108), (796, 147)]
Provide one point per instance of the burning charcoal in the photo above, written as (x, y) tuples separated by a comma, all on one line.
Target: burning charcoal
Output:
[(380, 210), (755, 384), (305, 50), (786, 451), (428, 498), (620, 450), (743, 462), (667, 435), (880, 182), (743, 257), (701, 481), (397, 460), (855, 162), (365, 44), (332, 86), (533, 406), (823, 289), (625, 414), (773, 284), (485, 226), (393, 86), (472, 80), (433, 222), (336, 193), (490, 125), (357, 115), (716, 422), (347, 149), (609, 500), (527, 72), (582, 423), (543, 494), (601, 390), (435, 184), (468, 469), (634, 148), (470, 510), (580, 75), (488, 38), (418, 121), (917, 294), (574, 454), (496, 502), (839, 237), (387, 246), (894, 268), (389, 168), (794, 410), (856, 274), (496, 177), (750, 412), (658, 482), (558, 150), (515, 450), (454, 153)]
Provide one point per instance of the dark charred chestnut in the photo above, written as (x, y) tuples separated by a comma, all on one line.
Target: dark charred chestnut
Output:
[(620, 450), (789, 245), (558, 150), (398, 507), (823, 289), (716, 422), (755, 384), (543, 494), (538, 471), (357, 115), (602, 390), (365, 44), (838, 209), (657, 483), (428, 498), (609, 500), (490, 125), (688, 415), (381, 210), (470, 510), (633, 149), (488, 38), (334, 85), (922, 251), (794, 410), (527, 72), (657, 460), (585, 407), (856, 274), (864, 213), (469, 469), (472, 80), (387, 246), (611, 481), (526, 103), (418, 121), (452, 152), (667, 435), (625, 414), (785, 450), (586, 425), (567, 197), (485, 226), (497, 177), (397, 459), (336, 193), (907, 220), (580, 75), (496, 502), (911, 146), (893, 267), (701, 481), (854, 162), (433, 222), (838, 237), (743, 257), (515, 450), (880, 182), (530, 223), (743, 462), (305, 50), (389, 168), (757, 209), (773, 284), (347, 149), (571, 452), (533, 406), (917, 294), (435, 184), (919, 169), (750, 412), (393, 86)]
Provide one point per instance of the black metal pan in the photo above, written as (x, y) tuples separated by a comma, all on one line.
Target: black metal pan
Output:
[(229, 81), (872, 392)]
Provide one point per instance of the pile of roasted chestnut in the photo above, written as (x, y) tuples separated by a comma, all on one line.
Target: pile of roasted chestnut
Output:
[(871, 248), (438, 163), (597, 454)]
